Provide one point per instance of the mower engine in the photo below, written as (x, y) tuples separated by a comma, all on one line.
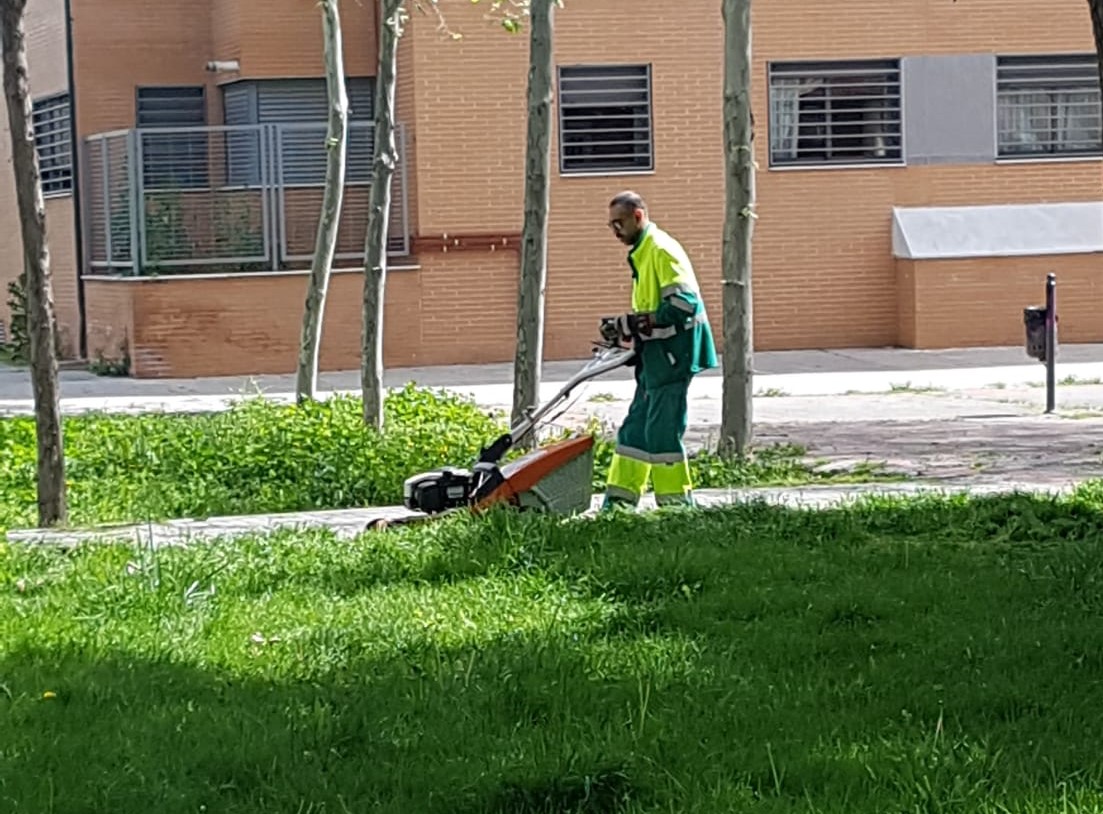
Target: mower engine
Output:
[(450, 487)]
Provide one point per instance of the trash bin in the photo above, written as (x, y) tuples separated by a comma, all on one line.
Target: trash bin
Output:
[(1034, 318)]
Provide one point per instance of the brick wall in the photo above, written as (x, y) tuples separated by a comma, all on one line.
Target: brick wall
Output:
[(227, 21), (978, 302), (823, 267), (109, 317), (472, 92), (468, 310), (167, 45), (48, 74), (227, 325), (241, 325), (62, 246), (172, 45), (286, 38)]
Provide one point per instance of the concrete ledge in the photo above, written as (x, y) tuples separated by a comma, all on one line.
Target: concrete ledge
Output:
[(1016, 230)]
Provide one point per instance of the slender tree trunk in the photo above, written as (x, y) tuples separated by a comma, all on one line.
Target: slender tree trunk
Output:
[(528, 358), (379, 213), (41, 325), (738, 345), (310, 343)]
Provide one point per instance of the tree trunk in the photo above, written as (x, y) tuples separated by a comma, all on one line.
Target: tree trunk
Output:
[(738, 345), (528, 357), (325, 245), (52, 500), (379, 212)]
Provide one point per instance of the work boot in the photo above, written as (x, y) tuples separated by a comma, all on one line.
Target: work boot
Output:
[(617, 504), (668, 503)]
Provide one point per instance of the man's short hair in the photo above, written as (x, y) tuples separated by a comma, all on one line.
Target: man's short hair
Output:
[(629, 199)]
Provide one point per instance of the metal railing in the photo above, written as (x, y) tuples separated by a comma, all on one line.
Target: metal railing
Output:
[(226, 198)]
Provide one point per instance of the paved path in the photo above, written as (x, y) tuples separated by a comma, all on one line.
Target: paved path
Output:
[(929, 436), (791, 373), (352, 522)]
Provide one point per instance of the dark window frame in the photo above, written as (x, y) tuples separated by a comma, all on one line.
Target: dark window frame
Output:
[(173, 158), (601, 136), (844, 113), (52, 126), (1043, 88)]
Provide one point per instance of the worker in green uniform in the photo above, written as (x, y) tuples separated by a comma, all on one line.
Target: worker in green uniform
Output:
[(670, 331)]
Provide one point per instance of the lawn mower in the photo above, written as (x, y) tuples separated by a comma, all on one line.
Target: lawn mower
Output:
[(557, 477)]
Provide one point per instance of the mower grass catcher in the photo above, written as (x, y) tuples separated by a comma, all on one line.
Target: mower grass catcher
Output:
[(556, 478)]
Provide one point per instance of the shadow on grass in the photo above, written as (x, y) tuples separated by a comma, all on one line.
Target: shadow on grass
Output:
[(921, 657), (456, 735)]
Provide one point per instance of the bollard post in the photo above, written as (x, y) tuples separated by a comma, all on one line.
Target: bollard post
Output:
[(1051, 342)]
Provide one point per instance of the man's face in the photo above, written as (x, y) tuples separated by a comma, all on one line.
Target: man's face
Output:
[(625, 223)]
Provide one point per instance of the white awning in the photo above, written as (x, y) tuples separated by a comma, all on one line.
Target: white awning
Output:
[(1016, 230)]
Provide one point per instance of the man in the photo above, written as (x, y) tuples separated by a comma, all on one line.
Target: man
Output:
[(670, 331)]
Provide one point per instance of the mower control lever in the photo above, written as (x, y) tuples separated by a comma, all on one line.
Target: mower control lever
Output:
[(496, 451)]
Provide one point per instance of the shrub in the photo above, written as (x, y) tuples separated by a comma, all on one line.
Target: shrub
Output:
[(257, 457)]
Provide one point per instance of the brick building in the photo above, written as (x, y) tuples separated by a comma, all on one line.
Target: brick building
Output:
[(922, 166)]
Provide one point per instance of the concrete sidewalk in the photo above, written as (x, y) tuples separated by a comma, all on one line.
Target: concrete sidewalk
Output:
[(779, 374)]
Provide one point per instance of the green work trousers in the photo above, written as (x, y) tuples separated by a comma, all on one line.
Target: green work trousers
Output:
[(649, 444)]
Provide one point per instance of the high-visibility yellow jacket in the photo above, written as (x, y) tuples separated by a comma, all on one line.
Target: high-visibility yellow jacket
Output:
[(665, 287)]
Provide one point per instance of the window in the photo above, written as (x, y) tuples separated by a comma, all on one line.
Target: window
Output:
[(605, 119), (173, 157), (824, 113), (1048, 105), (53, 139), (301, 105)]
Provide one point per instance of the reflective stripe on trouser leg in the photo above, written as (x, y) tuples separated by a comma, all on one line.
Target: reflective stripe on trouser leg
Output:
[(667, 418), (631, 464)]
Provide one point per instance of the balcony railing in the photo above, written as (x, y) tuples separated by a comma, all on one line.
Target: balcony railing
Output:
[(226, 198)]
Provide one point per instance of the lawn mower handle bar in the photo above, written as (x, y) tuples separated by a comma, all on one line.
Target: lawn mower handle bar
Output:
[(608, 356)]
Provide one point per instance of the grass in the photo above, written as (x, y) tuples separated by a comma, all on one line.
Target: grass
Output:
[(930, 655), (1075, 380), (265, 457), (602, 397), (1081, 415), (1069, 381), (908, 387)]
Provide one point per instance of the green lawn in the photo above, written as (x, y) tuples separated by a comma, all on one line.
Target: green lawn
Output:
[(920, 656)]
